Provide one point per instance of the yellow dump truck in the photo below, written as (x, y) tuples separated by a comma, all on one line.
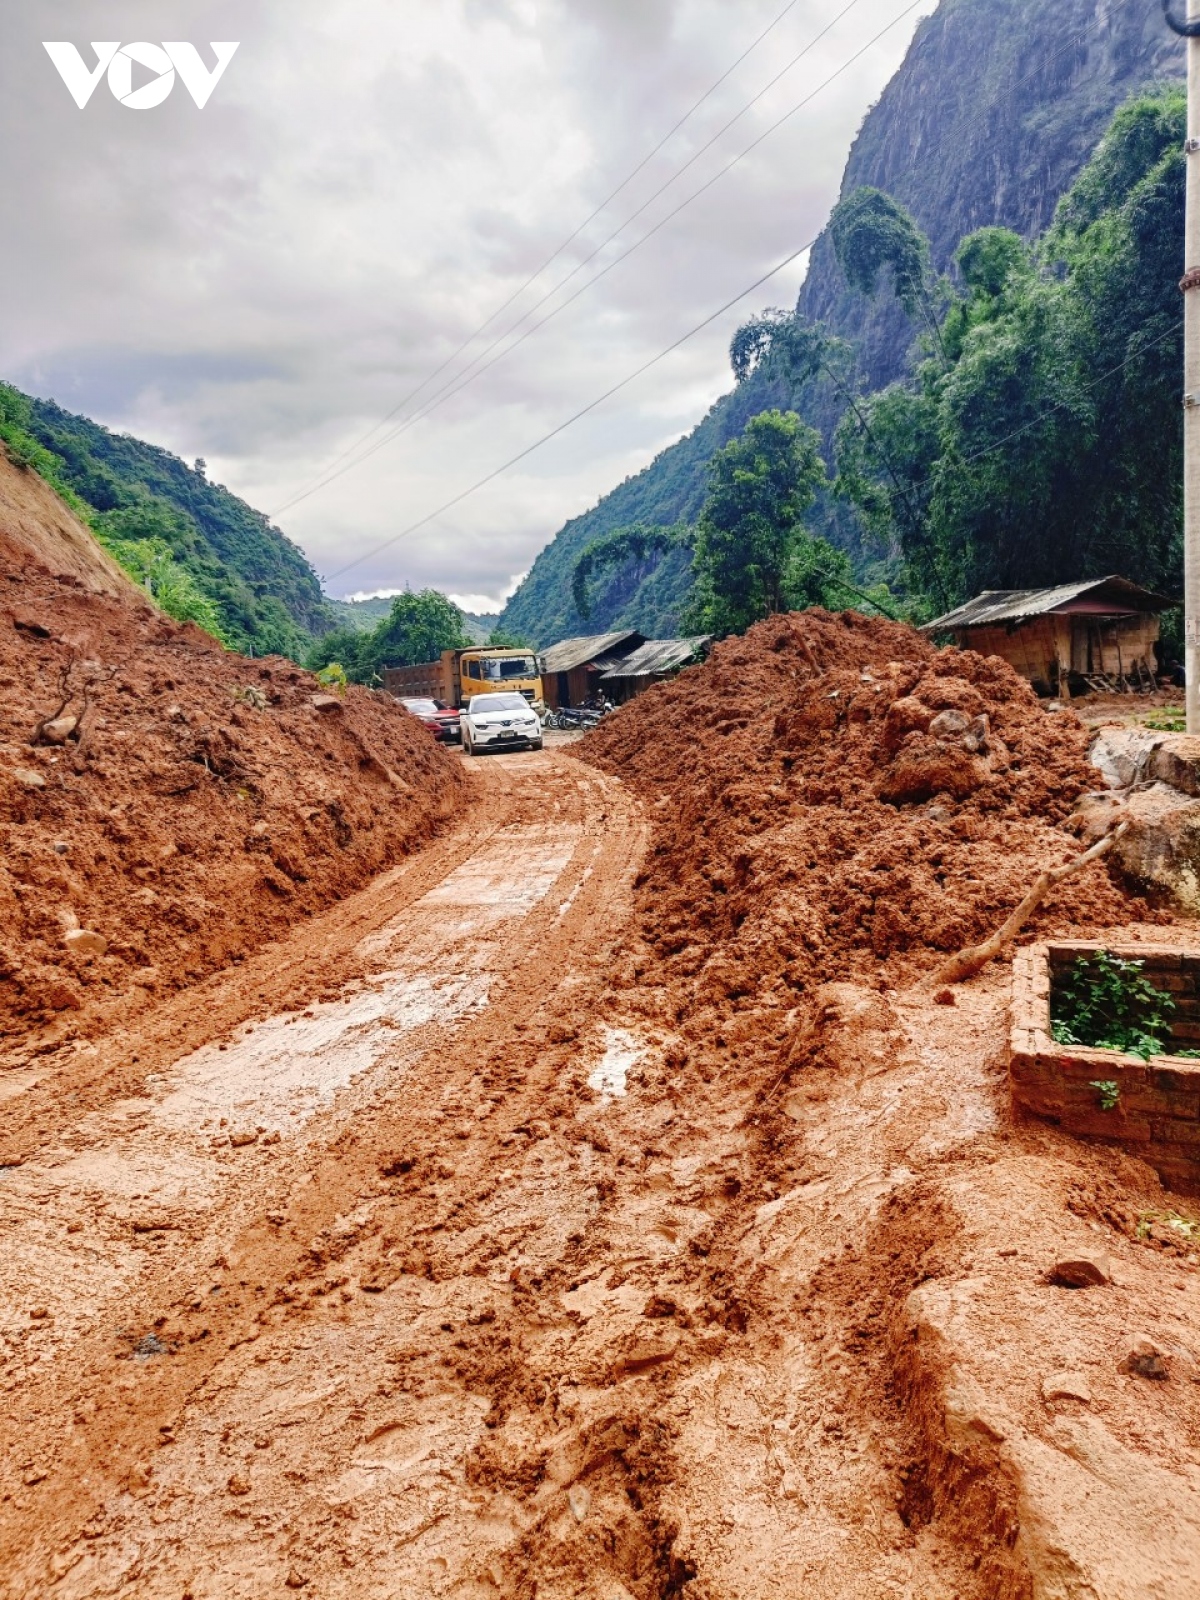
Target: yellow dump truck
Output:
[(458, 675)]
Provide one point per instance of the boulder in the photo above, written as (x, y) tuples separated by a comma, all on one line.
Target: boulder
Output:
[(1081, 1269), (28, 779), (949, 725), (84, 942), (1122, 756), (1160, 849), (1176, 761), (1145, 1360), (327, 704)]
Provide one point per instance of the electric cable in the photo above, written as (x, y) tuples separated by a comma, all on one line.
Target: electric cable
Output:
[(570, 421), (460, 381), (662, 354), (571, 237), (468, 375)]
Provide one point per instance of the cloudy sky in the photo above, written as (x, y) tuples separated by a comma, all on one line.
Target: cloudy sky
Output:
[(262, 281)]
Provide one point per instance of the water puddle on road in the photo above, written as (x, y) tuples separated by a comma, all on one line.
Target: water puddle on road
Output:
[(164, 1161)]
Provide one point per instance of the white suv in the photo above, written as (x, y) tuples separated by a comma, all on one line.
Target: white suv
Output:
[(500, 722)]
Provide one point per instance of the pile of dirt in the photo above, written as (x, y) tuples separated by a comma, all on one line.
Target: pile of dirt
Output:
[(831, 791), (166, 806)]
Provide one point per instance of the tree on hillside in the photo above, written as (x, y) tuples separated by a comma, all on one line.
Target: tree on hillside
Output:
[(1045, 444), (871, 231), (617, 549), (749, 531), (417, 628)]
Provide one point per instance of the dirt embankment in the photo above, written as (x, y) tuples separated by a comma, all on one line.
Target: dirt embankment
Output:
[(199, 804), (831, 791)]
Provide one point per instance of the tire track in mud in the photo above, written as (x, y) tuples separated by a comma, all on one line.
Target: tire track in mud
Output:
[(489, 921), (581, 1296)]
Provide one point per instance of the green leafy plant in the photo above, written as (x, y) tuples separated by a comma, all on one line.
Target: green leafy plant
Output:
[(333, 677), (1186, 1227), (1108, 1090), (1168, 719), (1106, 1002)]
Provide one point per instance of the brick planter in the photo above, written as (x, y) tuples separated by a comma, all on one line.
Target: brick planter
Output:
[(1157, 1114)]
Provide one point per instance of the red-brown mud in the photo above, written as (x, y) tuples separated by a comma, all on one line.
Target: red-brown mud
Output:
[(817, 811), (200, 807), (585, 1211)]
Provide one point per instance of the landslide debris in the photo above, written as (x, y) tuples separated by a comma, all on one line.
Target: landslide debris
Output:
[(167, 806), (831, 791)]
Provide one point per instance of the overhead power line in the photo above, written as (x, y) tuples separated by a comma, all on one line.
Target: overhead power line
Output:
[(460, 381), (1041, 64), (582, 412), (571, 237)]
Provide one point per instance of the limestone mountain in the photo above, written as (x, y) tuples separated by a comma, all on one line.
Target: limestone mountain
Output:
[(989, 119)]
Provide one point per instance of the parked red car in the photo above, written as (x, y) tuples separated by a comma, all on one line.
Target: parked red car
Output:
[(441, 720)]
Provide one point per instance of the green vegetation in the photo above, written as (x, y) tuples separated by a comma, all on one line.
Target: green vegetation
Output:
[(1167, 719), (1032, 431), (1107, 1003), (334, 677), (1108, 1092), (1040, 440), (749, 541), (418, 627), (749, 554), (203, 554)]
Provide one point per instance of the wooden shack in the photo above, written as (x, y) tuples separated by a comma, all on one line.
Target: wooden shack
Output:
[(571, 669), (653, 662), (1099, 634)]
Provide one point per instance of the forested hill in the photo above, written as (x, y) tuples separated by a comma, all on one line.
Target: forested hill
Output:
[(201, 550), (993, 113)]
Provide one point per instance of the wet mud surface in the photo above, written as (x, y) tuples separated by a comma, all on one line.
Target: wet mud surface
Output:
[(429, 1254)]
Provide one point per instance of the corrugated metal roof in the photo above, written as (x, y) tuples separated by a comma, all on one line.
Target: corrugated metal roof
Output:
[(1017, 605), (571, 653), (659, 655)]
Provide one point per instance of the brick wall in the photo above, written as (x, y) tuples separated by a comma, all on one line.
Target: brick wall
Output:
[(1157, 1114)]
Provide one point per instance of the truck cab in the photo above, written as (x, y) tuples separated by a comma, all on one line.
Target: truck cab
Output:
[(494, 670)]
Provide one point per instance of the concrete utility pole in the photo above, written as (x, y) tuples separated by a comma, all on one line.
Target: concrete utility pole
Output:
[(1190, 284)]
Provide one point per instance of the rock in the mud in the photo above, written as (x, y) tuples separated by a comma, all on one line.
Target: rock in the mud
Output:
[(59, 730), (27, 778), (580, 1499), (1146, 1360), (1066, 1386), (28, 623), (949, 725), (1081, 1269), (296, 1579), (85, 942), (243, 1136), (1122, 756), (1176, 761), (327, 704)]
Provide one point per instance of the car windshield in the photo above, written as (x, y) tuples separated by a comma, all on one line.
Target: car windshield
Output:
[(509, 667), (497, 702), (421, 708)]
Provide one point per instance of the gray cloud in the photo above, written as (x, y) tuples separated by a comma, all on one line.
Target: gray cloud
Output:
[(259, 282)]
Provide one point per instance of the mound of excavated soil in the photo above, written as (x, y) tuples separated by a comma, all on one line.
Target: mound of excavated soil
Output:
[(200, 807), (832, 791)]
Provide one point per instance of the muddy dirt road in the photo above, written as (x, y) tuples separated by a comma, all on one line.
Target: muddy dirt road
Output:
[(433, 1253)]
